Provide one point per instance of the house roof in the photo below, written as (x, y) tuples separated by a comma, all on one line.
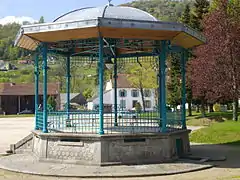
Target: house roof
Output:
[(23, 89), (77, 98), (96, 95), (123, 82)]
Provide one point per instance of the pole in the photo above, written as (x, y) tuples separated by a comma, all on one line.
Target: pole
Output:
[(184, 57), (45, 110), (68, 81), (19, 104), (163, 56), (36, 73), (115, 92), (101, 76)]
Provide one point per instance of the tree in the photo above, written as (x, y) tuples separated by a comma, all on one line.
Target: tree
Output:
[(194, 19), (51, 101), (186, 16), (174, 80), (41, 20), (142, 76), (201, 8), (217, 66), (88, 93)]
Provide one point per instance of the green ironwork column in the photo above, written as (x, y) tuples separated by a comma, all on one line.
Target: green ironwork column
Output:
[(68, 81), (115, 92), (36, 73), (45, 68), (159, 90), (163, 56), (184, 57), (101, 79)]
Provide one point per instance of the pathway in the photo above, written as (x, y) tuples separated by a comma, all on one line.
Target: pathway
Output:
[(14, 129)]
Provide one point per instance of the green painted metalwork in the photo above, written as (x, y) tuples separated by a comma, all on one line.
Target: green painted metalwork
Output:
[(104, 120), (101, 85), (163, 56), (45, 68), (36, 73), (184, 57), (159, 89), (115, 93), (68, 81), (39, 116), (128, 122)]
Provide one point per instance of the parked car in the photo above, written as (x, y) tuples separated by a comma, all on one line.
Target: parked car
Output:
[(26, 111), (127, 114)]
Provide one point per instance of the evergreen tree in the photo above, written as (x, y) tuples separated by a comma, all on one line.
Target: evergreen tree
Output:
[(186, 16), (201, 7), (41, 20), (173, 83)]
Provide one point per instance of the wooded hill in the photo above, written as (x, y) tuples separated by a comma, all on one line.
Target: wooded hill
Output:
[(164, 10)]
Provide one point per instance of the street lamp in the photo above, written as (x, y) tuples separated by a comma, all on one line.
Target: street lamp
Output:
[(109, 63)]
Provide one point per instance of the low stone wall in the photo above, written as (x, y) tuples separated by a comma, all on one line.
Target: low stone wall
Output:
[(110, 149), (23, 146)]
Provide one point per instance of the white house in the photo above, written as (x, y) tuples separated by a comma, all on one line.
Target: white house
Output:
[(127, 95)]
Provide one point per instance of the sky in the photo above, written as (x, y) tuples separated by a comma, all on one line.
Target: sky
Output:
[(50, 9)]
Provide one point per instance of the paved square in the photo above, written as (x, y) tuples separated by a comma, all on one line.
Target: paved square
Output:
[(14, 129)]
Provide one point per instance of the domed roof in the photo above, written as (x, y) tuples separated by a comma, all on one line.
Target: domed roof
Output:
[(109, 11)]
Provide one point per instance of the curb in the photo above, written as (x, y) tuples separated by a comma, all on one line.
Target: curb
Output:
[(5, 154), (112, 175)]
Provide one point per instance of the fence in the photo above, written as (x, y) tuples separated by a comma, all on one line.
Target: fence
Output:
[(87, 122)]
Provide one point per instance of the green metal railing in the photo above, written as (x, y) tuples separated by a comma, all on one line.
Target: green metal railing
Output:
[(39, 123), (73, 122), (87, 122)]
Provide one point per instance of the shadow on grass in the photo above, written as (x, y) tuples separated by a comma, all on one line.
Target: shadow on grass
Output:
[(234, 143), (215, 115), (218, 151)]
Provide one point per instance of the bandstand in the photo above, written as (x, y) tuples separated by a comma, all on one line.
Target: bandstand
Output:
[(102, 35)]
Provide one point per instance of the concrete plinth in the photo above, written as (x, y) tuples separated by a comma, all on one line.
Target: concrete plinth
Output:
[(110, 149)]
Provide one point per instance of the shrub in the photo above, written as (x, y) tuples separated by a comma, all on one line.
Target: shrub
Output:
[(51, 101), (138, 107)]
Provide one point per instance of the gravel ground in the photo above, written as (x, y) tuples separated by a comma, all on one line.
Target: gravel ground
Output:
[(229, 169), (12, 129)]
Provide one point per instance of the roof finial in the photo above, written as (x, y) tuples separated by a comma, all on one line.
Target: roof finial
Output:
[(109, 3)]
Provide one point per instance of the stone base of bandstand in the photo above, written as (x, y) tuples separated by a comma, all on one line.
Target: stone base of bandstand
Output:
[(101, 156), (108, 149)]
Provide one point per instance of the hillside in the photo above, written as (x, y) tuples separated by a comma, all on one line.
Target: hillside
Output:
[(165, 10)]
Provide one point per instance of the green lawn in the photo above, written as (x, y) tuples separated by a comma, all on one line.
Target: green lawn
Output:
[(226, 132), (12, 116), (211, 118)]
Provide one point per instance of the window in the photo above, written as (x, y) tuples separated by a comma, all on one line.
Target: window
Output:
[(122, 104), (122, 93), (148, 104), (147, 93), (135, 93), (134, 103)]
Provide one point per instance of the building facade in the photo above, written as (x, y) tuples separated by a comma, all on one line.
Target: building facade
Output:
[(19, 98), (127, 96)]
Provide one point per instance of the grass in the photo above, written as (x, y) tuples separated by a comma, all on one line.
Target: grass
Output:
[(211, 118), (226, 132), (13, 116)]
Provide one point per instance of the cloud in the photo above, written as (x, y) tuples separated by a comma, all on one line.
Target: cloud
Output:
[(14, 19)]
